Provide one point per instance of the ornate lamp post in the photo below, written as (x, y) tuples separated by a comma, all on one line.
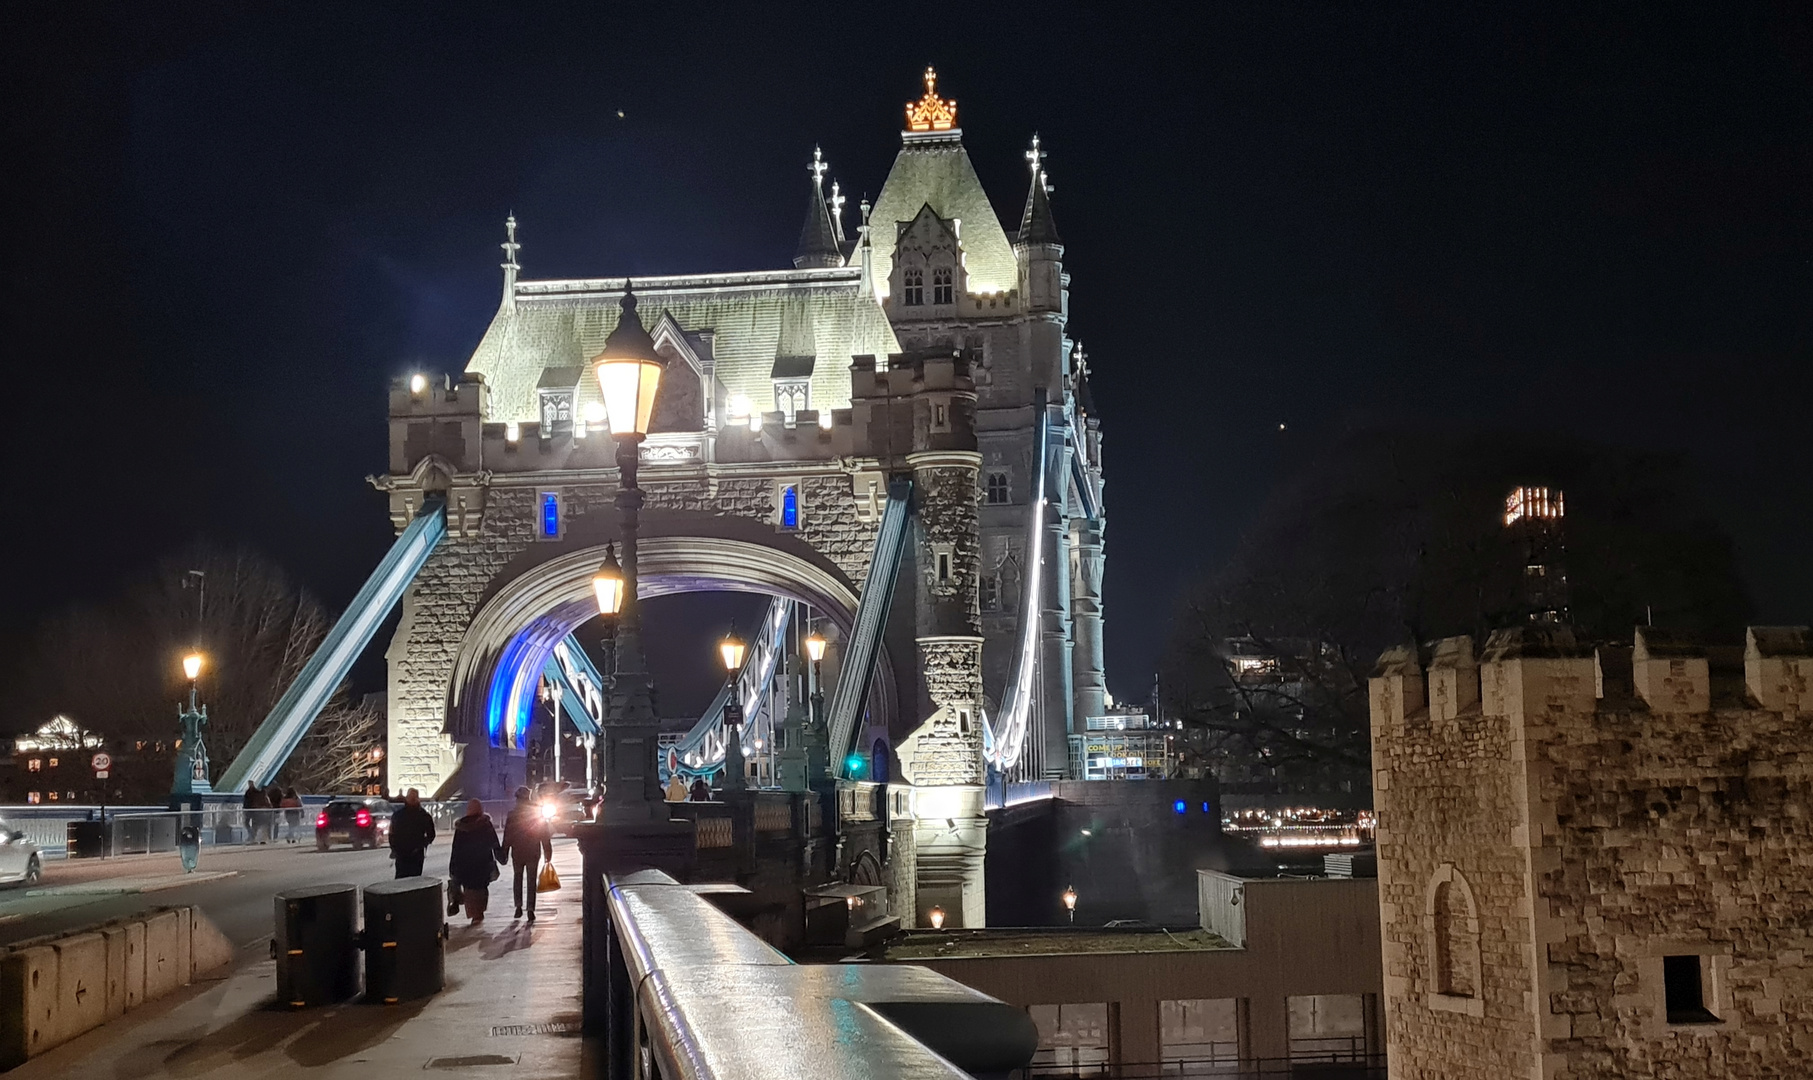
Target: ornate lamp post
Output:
[(1070, 903), (817, 746), (731, 651), (192, 761), (629, 373)]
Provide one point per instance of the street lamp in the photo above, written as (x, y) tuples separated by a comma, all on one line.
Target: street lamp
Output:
[(628, 371), (192, 760), (1070, 903), (815, 650), (937, 917), (731, 650)]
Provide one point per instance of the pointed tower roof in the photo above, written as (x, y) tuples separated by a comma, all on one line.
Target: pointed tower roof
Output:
[(933, 169), (1036, 223), (818, 244)]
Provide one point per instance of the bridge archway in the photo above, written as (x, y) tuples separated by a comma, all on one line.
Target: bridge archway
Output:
[(546, 593)]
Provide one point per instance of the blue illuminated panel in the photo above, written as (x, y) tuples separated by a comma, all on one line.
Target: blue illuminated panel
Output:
[(790, 507), (550, 514), (1180, 806)]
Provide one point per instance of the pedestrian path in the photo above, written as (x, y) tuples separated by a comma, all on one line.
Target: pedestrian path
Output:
[(511, 1007)]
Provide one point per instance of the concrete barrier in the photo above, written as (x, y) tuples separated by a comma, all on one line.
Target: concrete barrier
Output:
[(54, 989)]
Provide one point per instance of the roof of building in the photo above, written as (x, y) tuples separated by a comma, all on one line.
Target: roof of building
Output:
[(1035, 941), (754, 317), (818, 244), (1036, 223), (934, 170)]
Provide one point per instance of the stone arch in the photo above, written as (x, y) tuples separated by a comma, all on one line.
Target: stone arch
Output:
[(1451, 927), (545, 593)]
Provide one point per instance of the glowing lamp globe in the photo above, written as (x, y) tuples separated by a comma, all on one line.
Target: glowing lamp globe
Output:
[(628, 373), (192, 666), (732, 649), (936, 915), (815, 647), (608, 584), (1069, 899)]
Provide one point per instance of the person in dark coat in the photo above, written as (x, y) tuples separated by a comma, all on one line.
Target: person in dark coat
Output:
[(411, 831), (257, 820), (701, 792), (473, 865), (528, 839), (292, 813)]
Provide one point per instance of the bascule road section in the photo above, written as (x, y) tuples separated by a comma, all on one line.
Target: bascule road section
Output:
[(894, 434)]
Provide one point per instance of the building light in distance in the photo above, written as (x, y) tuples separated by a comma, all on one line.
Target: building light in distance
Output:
[(512, 431), (418, 383), (1533, 502)]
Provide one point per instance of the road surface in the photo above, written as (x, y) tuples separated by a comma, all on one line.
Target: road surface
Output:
[(234, 886)]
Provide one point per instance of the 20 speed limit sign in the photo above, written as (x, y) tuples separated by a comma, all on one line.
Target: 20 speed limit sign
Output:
[(101, 762)]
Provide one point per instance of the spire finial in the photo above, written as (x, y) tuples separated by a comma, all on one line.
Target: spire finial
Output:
[(818, 166), (1035, 155), (836, 202), (510, 267), (931, 112)]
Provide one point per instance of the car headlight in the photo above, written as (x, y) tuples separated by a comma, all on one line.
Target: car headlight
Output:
[(549, 811)]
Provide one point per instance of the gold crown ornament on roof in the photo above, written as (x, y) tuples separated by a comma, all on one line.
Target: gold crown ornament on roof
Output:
[(931, 112)]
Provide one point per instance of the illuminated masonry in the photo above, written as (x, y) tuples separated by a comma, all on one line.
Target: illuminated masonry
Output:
[(1593, 862), (929, 344)]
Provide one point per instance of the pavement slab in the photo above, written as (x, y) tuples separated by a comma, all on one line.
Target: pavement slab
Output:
[(511, 1007)]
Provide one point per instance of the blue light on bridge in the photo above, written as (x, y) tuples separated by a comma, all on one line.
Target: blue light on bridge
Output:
[(1180, 806), (854, 765), (1205, 808), (790, 507), (550, 514)]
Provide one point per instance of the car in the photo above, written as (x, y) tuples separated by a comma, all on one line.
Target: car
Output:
[(562, 807), (20, 860), (362, 822)]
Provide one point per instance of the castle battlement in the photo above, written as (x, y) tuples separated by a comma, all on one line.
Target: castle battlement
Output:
[(1592, 860)]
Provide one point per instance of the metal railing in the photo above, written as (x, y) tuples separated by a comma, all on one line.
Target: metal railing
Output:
[(146, 831), (1334, 1065)]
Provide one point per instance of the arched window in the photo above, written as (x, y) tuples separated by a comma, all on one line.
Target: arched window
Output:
[(1451, 919), (878, 761), (914, 282), (941, 286)]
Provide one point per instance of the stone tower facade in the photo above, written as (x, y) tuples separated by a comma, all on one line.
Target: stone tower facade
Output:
[(1594, 862)]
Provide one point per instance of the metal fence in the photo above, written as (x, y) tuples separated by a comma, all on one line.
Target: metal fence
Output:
[(149, 830), (1332, 1065)]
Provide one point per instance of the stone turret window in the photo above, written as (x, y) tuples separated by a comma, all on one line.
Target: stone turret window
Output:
[(941, 286), (913, 287), (1451, 920), (998, 493), (988, 592)]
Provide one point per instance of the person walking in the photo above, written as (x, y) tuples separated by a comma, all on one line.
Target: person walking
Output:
[(528, 839), (676, 788), (701, 792), (292, 813), (255, 804), (476, 854), (411, 831)]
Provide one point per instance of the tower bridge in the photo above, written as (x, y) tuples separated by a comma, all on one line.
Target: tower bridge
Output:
[(895, 432)]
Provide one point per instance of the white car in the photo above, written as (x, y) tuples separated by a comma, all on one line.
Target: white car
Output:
[(20, 859)]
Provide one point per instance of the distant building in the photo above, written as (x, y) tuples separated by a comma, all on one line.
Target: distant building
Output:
[(1281, 976), (1536, 518), (1593, 861)]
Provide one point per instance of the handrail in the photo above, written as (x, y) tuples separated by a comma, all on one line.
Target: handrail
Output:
[(864, 647), (295, 712)]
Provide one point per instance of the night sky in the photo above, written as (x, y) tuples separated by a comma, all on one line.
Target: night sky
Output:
[(231, 225)]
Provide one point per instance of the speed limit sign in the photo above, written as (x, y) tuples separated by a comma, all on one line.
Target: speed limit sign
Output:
[(102, 762)]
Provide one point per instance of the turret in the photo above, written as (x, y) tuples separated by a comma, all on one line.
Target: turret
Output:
[(818, 245)]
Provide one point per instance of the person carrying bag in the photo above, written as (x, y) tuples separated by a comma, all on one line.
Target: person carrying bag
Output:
[(529, 841)]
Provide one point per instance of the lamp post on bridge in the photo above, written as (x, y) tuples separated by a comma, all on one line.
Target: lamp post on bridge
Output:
[(608, 586), (191, 779), (818, 753), (629, 374), (731, 650)]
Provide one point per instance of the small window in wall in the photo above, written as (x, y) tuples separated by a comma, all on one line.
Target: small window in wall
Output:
[(550, 515), (914, 287), (941, 417), (1198, 1035), (944, 568), (34, 798), (34, 765), (997, 491), (941, 286), (1327, 1027), (787, 512), (1073, 1039), (1684, 990), (53, 763)]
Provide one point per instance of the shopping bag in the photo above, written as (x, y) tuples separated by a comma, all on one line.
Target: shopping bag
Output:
[(549, 879)]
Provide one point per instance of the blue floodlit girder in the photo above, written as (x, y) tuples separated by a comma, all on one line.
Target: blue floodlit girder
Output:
[(574, 677), (760, 668), (864, 648), (290, 719), (1008, 740)]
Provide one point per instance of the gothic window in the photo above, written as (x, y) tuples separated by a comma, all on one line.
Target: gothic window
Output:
[(550, 515), (791, 397), (998, 492), (941, 286), (988, 592), (1452, 921), (914, 280)]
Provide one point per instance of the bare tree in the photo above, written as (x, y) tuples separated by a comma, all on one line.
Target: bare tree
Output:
[(116, 668)]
